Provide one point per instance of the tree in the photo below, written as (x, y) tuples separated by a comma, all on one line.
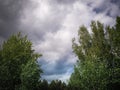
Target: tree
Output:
[(18, 64), (52, 85), (44, 85), (98, 55), (57, 85), (30, 76)]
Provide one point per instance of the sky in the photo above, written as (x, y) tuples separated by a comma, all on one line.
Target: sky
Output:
[(51, 25)]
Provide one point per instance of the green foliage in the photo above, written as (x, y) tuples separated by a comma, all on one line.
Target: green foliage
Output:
[(53, 85), (98, 65), (43, 85), (57, 85), (30, 75), (18, 63)]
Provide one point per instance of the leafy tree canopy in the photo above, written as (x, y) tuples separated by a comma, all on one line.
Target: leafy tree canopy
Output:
[(98, 52), (18, 64)]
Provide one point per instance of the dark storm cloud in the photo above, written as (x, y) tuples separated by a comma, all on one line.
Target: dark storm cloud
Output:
[(10, 12)]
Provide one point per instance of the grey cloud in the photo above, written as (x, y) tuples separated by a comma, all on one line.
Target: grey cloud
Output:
[(109, 7), (65, 1), (10, 12), (117, 2), (38, 26), (59, 67), (57, 70)]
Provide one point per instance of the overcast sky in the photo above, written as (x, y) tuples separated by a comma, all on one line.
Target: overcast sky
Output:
[(51, 25)]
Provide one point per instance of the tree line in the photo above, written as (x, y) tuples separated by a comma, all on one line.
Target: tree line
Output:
[(97, 67), (54, 85)]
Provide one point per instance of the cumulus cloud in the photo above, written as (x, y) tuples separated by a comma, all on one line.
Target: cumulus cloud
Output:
[(51, 25)]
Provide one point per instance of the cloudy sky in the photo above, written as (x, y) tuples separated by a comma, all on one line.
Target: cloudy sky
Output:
[(51, 25)]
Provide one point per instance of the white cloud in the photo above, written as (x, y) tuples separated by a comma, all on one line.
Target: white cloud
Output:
[(104, 19), (55, 45)]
